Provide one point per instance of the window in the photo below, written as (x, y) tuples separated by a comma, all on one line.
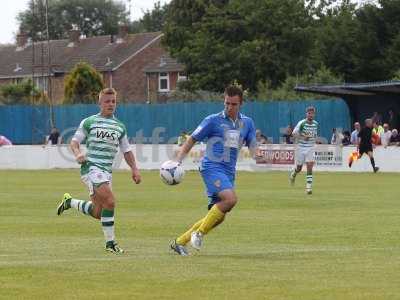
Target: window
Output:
[(41, 83), (163, 82), (182, 77), (17, 80)]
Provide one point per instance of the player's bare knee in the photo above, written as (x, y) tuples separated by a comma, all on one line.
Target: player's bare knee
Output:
[(96, 210), (230, 202), (233, 201), (109, 203)]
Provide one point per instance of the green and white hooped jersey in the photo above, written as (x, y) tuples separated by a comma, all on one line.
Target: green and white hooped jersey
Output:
[(103, 138), (305, 129)]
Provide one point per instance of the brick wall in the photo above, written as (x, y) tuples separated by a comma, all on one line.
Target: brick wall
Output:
[(153, 87), (5, 81), (130, 80), (106, 79), (155, 95), (57, 89), (173, 80)]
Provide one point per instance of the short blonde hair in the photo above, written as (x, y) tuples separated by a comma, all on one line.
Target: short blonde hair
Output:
[(310, 108), (107, 91)]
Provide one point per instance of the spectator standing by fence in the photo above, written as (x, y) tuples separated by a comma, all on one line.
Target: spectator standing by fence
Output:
[(354, 134), (4, 141), (386, 135), (288, 135), (395, 138), (346, 138), (54, 138), (260, 138)]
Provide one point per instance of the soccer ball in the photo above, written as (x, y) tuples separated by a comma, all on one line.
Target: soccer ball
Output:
[(171, 172)]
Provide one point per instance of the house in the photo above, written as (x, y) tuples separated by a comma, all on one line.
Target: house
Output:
[(163, 76), (136, 65)]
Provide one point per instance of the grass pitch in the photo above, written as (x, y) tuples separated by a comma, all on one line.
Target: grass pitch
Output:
[(343, 242)]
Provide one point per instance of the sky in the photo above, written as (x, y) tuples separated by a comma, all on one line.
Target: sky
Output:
[(9, 26)]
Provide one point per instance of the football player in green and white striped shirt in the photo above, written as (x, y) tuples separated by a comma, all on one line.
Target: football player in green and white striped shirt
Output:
[(306, 132), (104, 134)]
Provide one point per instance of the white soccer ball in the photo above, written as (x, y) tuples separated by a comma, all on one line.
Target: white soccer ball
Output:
[(171, 172)]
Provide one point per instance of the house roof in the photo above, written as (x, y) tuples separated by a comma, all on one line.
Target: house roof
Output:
[(164, 64), (354, 89), (97, 51)]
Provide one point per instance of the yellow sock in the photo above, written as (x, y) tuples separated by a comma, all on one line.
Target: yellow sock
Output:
[(213, 218), (185, 238)]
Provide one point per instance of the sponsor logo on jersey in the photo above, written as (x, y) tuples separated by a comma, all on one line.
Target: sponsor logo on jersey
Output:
[(103, 134), (310, 133)]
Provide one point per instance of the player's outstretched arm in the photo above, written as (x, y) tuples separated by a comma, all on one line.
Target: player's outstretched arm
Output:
[(131, 161), (251, 141), (185, 149)]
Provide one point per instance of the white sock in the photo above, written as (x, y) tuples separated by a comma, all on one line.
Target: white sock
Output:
[(107, 223), (82, 205), (309, 179)]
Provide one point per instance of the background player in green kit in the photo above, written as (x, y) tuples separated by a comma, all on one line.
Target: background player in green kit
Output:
[(104, 134), (306, 132)]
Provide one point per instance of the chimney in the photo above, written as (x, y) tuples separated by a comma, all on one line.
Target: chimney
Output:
[(22, 40), (163, 61), (122, 33), (74, 35)]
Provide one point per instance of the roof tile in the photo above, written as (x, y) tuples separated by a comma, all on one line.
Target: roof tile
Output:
[(96, 51)]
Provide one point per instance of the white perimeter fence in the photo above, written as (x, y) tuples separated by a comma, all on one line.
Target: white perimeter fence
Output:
[(272, 157)]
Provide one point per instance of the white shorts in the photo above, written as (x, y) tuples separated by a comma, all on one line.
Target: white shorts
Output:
[(304, 155), (95, 177)]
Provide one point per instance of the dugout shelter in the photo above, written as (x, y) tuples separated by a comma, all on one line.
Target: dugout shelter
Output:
[(362, 98)]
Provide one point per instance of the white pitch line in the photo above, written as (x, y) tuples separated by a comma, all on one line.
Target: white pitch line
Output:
[(249, 254)]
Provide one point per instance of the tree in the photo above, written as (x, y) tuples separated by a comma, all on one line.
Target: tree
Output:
[(286, 90), (92, 17), (337, 33), (220, 40), (153, 20), (370, 40), (82, 85), (269, 43), (21, 93), (396, 75)]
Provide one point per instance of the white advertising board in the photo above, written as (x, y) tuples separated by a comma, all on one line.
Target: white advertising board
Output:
[(271, 157)]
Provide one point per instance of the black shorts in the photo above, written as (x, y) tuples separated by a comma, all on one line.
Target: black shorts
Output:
[(365, 149)]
